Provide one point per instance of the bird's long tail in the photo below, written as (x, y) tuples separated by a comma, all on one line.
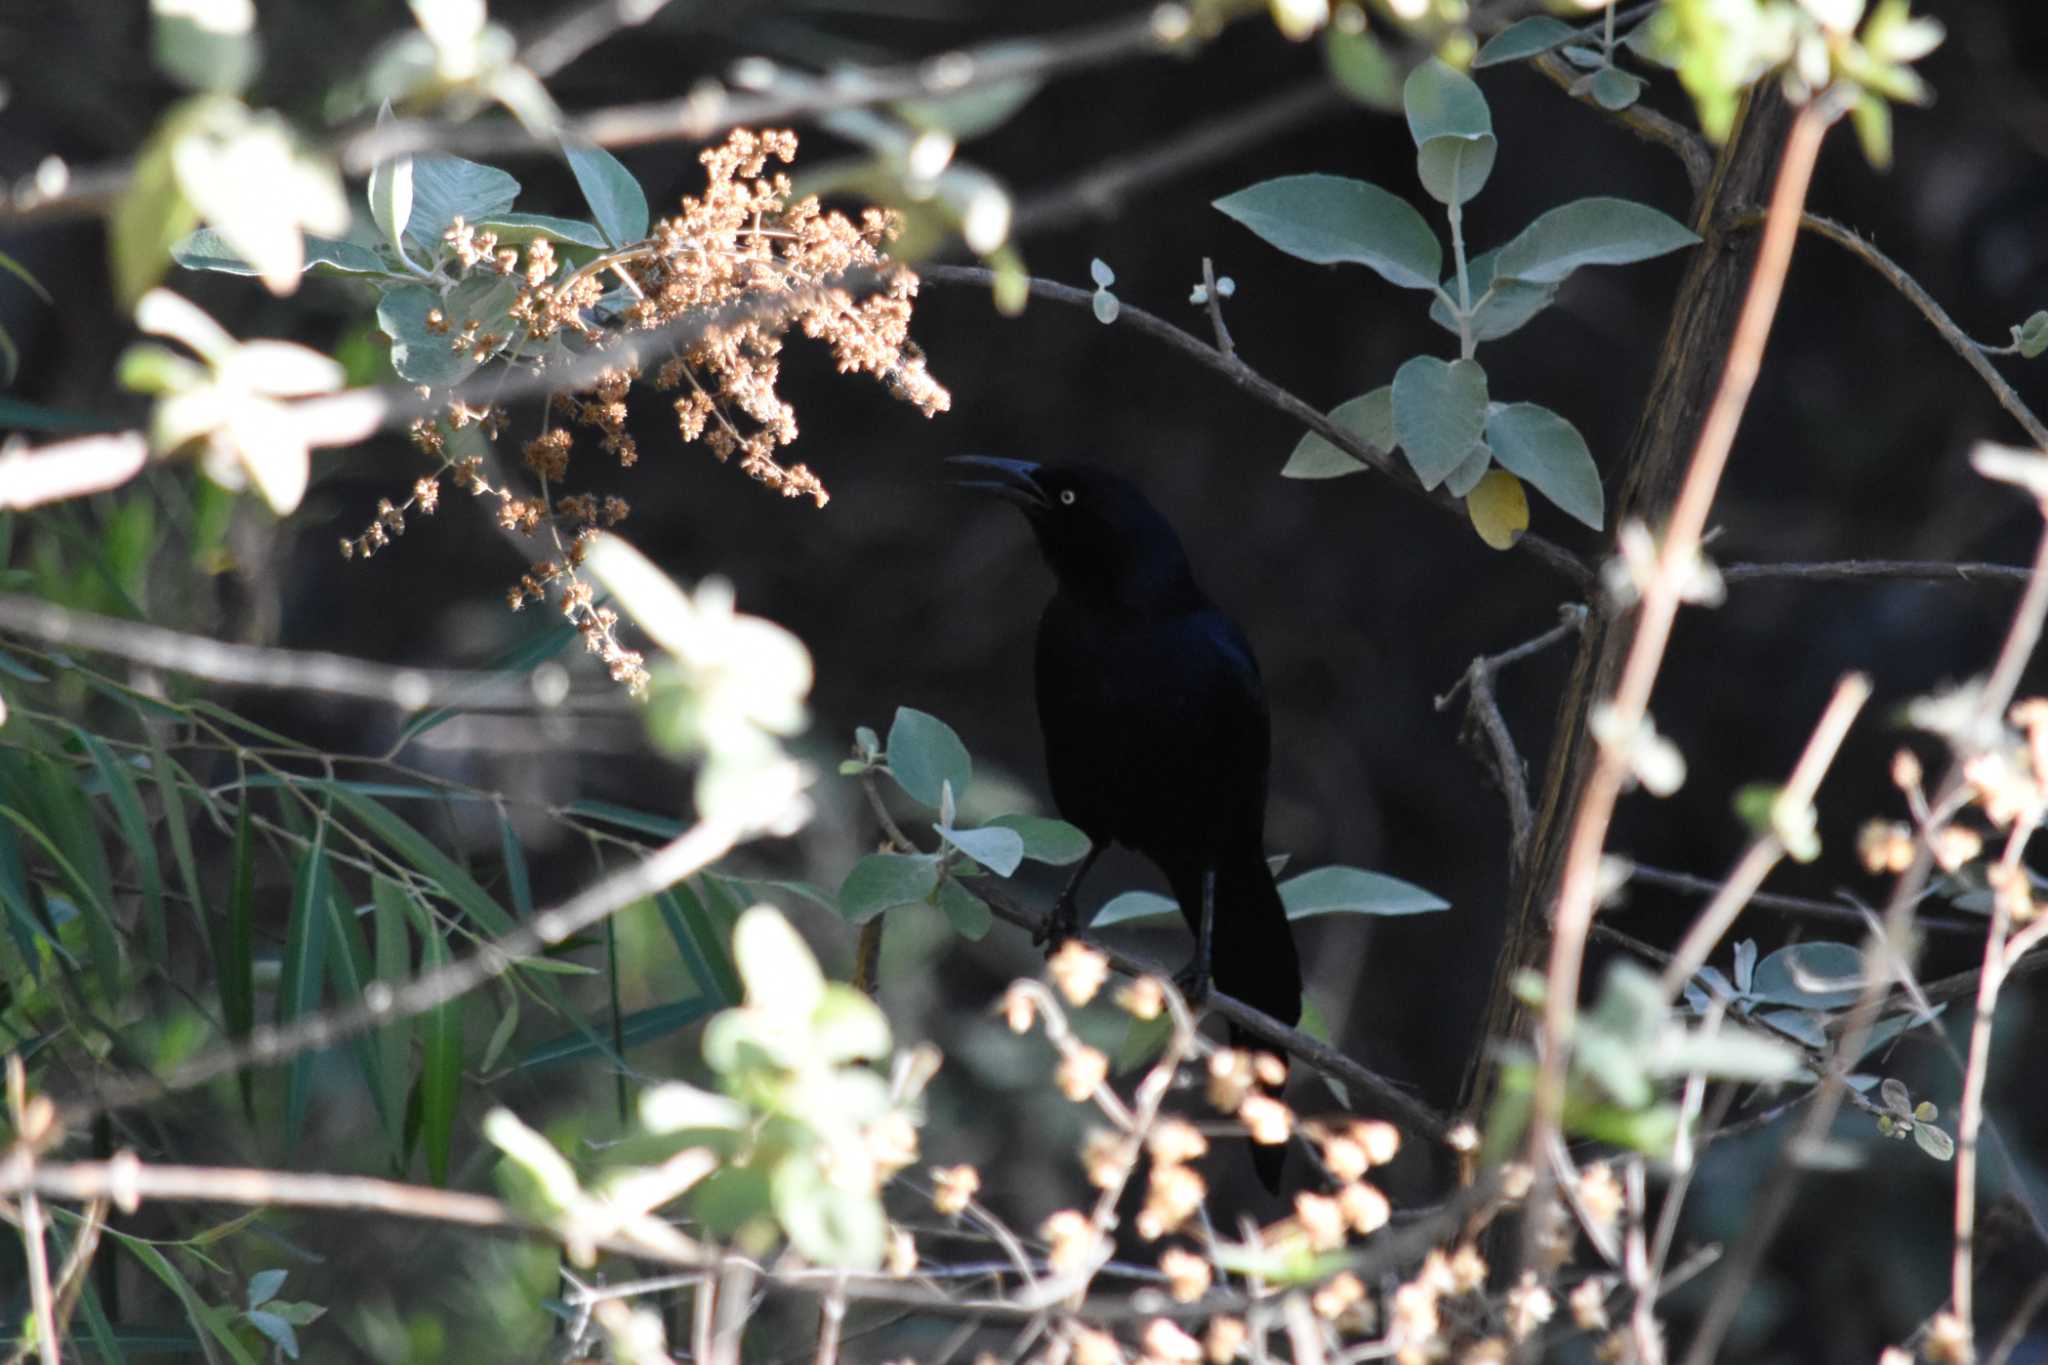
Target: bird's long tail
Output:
[(1251, 958)]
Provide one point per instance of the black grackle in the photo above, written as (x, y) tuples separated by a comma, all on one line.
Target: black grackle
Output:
[(1155, 723)]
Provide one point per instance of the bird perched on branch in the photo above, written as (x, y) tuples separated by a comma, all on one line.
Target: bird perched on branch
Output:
[(1155, 723)]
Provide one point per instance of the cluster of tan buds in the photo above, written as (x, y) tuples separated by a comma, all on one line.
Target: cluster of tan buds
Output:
[(1174, 1189), (730, 273)]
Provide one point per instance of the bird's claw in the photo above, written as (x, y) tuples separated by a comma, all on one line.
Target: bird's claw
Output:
[(1057, 927)]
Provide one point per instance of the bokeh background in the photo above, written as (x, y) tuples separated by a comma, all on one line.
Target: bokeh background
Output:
[(1363, 604)]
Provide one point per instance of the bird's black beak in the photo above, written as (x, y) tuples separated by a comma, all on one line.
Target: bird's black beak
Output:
[(1015, 481)]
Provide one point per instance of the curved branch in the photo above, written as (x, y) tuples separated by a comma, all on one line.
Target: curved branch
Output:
[(1232, 367)]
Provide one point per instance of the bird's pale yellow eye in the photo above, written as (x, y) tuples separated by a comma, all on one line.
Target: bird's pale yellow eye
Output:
[(1067, 497)]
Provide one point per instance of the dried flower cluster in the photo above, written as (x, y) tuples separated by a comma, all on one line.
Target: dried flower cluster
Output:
[(720, 283)]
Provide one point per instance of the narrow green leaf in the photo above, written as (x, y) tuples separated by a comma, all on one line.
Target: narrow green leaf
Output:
[(615, 197), (99, 924), (234, 948), (151, 213), (1596, 231), (925, 754), (127, 802), (1546, 450), (169, 776), (206, 1320), (660, 826), (517, 229), (393, 1041), (1369, 417), (701, 943), (16, 898), (1439, 413), (305, 960), (514, 853), (1327, 219), (350, 970), (634, 1030), (1352, 891), (521, 659), (440, 1086)]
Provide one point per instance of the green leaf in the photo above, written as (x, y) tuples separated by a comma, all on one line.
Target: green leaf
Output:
[(234, 947), (2031, 336), (615, 197), (305, 962), (151, 213), (1934, 1141), (1469, 471), (881, 882), (1133, 906), (1546, 450), (848, 1027), (1819, 975), (1045, 840), (660, 826), (127, 802), (350, 971), (1729, 1053), (205, 250), (168, 776), (980, 108), (391, 192), (1369, 417), (1327, 219), (967, 912), (420, 354), (1596, 231), (205, 1320), (1362, 68), (701, 943), (779, 970), (445, 188), (635, 1029), (205, 48), (1439, 413), (925, 754), (999, 850), (1525, 38), (1614, 89), (440, 1086), (392, 1042), (830, 1224), (517, 229), (263, 1287), (1453, 132), (1351, 891)]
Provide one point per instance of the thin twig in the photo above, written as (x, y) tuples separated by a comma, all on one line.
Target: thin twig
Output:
[(1214, 303), (1775, 1198), (1233, 367), (296, 670), (2022, 1318), (1659, 607), (1959, 341), (1876, 570), (1790, 905), (1795, 802), (708, 109), (575, 34)]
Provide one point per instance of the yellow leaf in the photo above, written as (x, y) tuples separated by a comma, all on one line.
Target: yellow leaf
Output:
[(1499, 509)]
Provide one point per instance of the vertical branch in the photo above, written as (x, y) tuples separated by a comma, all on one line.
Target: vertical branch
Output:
[(1659, 608), (33, 1122)]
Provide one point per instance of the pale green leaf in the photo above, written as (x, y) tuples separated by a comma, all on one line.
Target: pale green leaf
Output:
[(1326, 219), (924, 754), (1352, 891), (1597, 231), (1369, 417), (1439, 413), (1546, 450)]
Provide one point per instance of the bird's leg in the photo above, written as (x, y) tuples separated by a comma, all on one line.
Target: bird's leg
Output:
[(1193, 979), (1065, 918)]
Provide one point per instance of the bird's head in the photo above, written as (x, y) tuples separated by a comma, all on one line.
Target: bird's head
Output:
[(1099, 534)]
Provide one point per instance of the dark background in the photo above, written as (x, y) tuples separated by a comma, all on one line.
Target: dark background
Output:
[(1363, 603)]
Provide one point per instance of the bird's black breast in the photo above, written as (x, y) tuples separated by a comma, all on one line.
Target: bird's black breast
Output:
[(1155, 725)]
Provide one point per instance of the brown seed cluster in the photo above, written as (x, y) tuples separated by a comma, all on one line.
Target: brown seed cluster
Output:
[(728, 276)]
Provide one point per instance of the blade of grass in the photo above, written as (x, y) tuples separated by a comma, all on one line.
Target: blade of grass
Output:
[(393, 1041), (440, 1070), (234, 949), (698, 941), (206, 1320), (298, 992), (126, 799), (168, 775)]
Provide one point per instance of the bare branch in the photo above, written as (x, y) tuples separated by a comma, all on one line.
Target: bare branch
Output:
[(1790, 905), (1659, 608), (1973, 353), (1955, 572), (708, 110), (1234, 368), (337, 675)]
